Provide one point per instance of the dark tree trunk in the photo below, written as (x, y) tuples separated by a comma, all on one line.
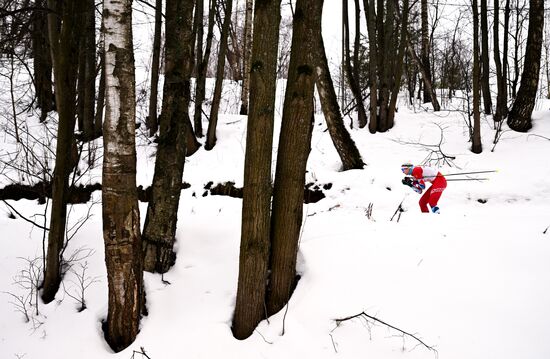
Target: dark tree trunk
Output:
[(348, 152), (475, 131), (398, 65), (254, 252), (348, 69), (42, 60), (425, 83), (98, 122), (121, 234), (425, 54), (162, 212), (201, 72), (370, 15), (212, 124), (198, 33), (152, 120), (501, 85), (519, 118), (487, 103), (292, 155), (64, 49), (247, 50)]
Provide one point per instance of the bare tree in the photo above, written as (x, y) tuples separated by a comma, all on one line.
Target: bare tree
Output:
[(476, 134), (42, 61), (350, 70), (346, 148), (254, 252), (519, 118), (64, 45), (292, 155), (247, 49), (162, 212), (212, 124), (501, 109), (121, 225), (485, 69), (425, 47), (152, 120), (202, 67)]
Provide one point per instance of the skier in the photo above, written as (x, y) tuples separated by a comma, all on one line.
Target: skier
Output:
[(416, 176)]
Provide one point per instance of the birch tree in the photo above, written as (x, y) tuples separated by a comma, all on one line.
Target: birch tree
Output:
[(121, 226)]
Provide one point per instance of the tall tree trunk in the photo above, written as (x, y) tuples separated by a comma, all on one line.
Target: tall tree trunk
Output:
[(519, 118), (426, 83), (370, 15), (123, 255), (198, 33), (476, 132), (162, 212), (398, 65), (152, 120), (87, 71), (346, 148), (247, 50), (201, 71), (254, 252), (98, 122), (352, 80), (425, 49), (501, 85), (64, 49), (212, 124), (487, 103), (42, 60), (505, 58), (292, 155)]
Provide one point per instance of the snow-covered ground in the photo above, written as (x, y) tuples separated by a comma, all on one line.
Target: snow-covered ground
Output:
[(471, 282)]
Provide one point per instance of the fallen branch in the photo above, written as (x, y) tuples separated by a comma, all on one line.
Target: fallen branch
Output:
[(365, 315)]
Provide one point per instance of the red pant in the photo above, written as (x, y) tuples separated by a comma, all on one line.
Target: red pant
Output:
[(432, 194)]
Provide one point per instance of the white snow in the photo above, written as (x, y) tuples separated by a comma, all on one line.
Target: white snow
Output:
[(473, 281)]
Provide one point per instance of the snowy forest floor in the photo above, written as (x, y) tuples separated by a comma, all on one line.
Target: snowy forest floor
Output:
[(471, 282)]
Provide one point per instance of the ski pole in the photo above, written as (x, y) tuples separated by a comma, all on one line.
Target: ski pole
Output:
[(468, 173), (468, 179)]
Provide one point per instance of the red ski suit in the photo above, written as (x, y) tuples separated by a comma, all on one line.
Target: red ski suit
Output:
[(432, 194)]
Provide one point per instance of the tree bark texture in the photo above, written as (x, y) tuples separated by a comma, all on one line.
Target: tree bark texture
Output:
[(349, 71), (501, 85), (198, 32), (292, 155), (487, 103), (519, 118), (202, 67), (346, 148), (370, 14), (213, 123), (152, 120), (160, 222), (425, 48), (254, 251), (42, 61), (121, 225), (476, 131), (247, 50), (64, 49)]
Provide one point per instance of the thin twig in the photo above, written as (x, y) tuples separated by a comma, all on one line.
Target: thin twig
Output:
[(363, 314), (24, 218)]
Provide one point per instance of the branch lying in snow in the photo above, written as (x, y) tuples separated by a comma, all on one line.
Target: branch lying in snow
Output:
[(142, 352), (365, 315)]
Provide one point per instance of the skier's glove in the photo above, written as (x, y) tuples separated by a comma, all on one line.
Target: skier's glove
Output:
[(407, 181), (417, 189)]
